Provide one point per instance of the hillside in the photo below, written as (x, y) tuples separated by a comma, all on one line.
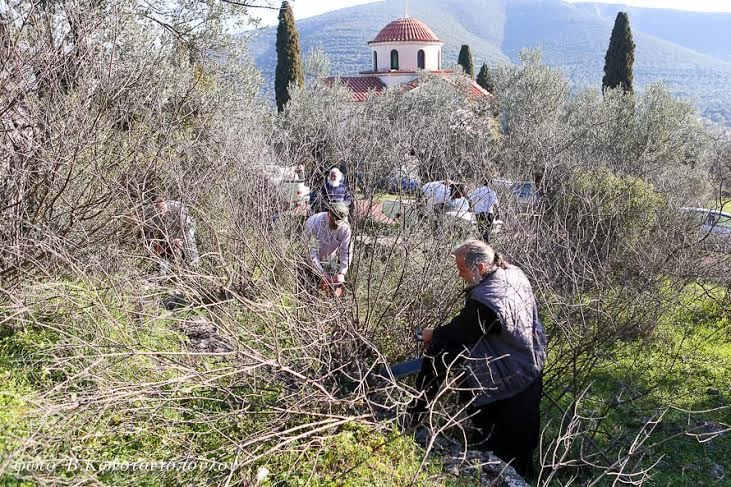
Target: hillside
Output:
[(673, 47)]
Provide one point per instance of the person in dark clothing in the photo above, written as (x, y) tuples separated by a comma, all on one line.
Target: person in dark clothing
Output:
[(497, 346), (334, 190)]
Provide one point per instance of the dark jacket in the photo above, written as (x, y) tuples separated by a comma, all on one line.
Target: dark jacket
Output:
[(332, 194), (450, 344), (505, 364), (498, 332)]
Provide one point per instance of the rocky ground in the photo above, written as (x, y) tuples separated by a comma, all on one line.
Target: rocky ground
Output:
[(204, 336), (461, 463)]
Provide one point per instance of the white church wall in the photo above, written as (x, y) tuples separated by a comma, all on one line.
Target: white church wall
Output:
[(407, 55), (393, 79)]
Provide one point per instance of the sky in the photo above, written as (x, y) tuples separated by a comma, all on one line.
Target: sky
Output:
[(310, 8), (307, 8)]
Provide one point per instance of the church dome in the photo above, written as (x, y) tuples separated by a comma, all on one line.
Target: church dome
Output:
[(406, 29)]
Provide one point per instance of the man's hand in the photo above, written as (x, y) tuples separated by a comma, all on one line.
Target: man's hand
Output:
[(427, 334), (157, 248), (333, 284), (325, 282)]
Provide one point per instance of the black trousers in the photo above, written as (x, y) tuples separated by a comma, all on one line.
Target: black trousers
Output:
[(511, 428), (484, 223)]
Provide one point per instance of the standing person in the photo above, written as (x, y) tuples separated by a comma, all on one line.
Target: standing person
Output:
[(499, 342), (436, 194), (458, 202), (170, 233), (409, 173), (328, 235), (299, 172), (485, 204), (334, 190)]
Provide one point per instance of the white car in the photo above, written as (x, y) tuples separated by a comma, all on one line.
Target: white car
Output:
[(714, 226), (291, 186)]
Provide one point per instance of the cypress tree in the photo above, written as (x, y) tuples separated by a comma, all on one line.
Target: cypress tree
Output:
[(485, 78), (465, 60), (620, 56), (289, 61)]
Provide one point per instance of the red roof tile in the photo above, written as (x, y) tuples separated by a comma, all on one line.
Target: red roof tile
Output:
[(404, 30), (475, 91), (361, 86)]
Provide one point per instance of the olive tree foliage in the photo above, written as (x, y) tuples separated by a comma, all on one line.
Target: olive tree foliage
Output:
[(592, 154), (530, 102), (450, 132), (104, 103), (651, 135), (721, 168), (606, 247)]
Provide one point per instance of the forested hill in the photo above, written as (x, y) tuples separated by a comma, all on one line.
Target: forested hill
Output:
[(689, 52)]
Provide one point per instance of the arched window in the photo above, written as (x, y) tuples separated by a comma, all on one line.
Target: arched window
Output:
[(375, 61), (394, 59), (420, 62)]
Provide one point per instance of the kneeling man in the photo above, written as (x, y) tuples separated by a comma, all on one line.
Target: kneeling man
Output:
[(499, 345), (328, 235)]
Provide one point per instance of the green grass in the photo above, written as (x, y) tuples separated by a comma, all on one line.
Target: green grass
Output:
[(715, 204), (357, 456), (686, 392), (185, 419), (188, 420)]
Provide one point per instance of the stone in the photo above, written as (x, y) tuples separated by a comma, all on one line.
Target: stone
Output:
[(204, 336), (175, 300), (464, 463)]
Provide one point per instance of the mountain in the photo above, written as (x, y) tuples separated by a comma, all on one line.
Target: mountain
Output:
[(688, 51)]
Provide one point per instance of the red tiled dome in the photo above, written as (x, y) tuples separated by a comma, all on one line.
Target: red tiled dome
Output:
[(405, 30)]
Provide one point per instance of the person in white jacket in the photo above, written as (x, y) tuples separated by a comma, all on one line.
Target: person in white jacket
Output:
[(328, 236), (436, 194), (484, 203), (170, 234)]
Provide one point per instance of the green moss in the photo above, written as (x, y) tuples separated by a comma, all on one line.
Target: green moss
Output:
[(357, 455)]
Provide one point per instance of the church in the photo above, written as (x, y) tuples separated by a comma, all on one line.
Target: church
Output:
[(398, 52)]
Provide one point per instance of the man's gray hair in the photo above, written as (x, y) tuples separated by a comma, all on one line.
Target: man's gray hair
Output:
[(474, 252)]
